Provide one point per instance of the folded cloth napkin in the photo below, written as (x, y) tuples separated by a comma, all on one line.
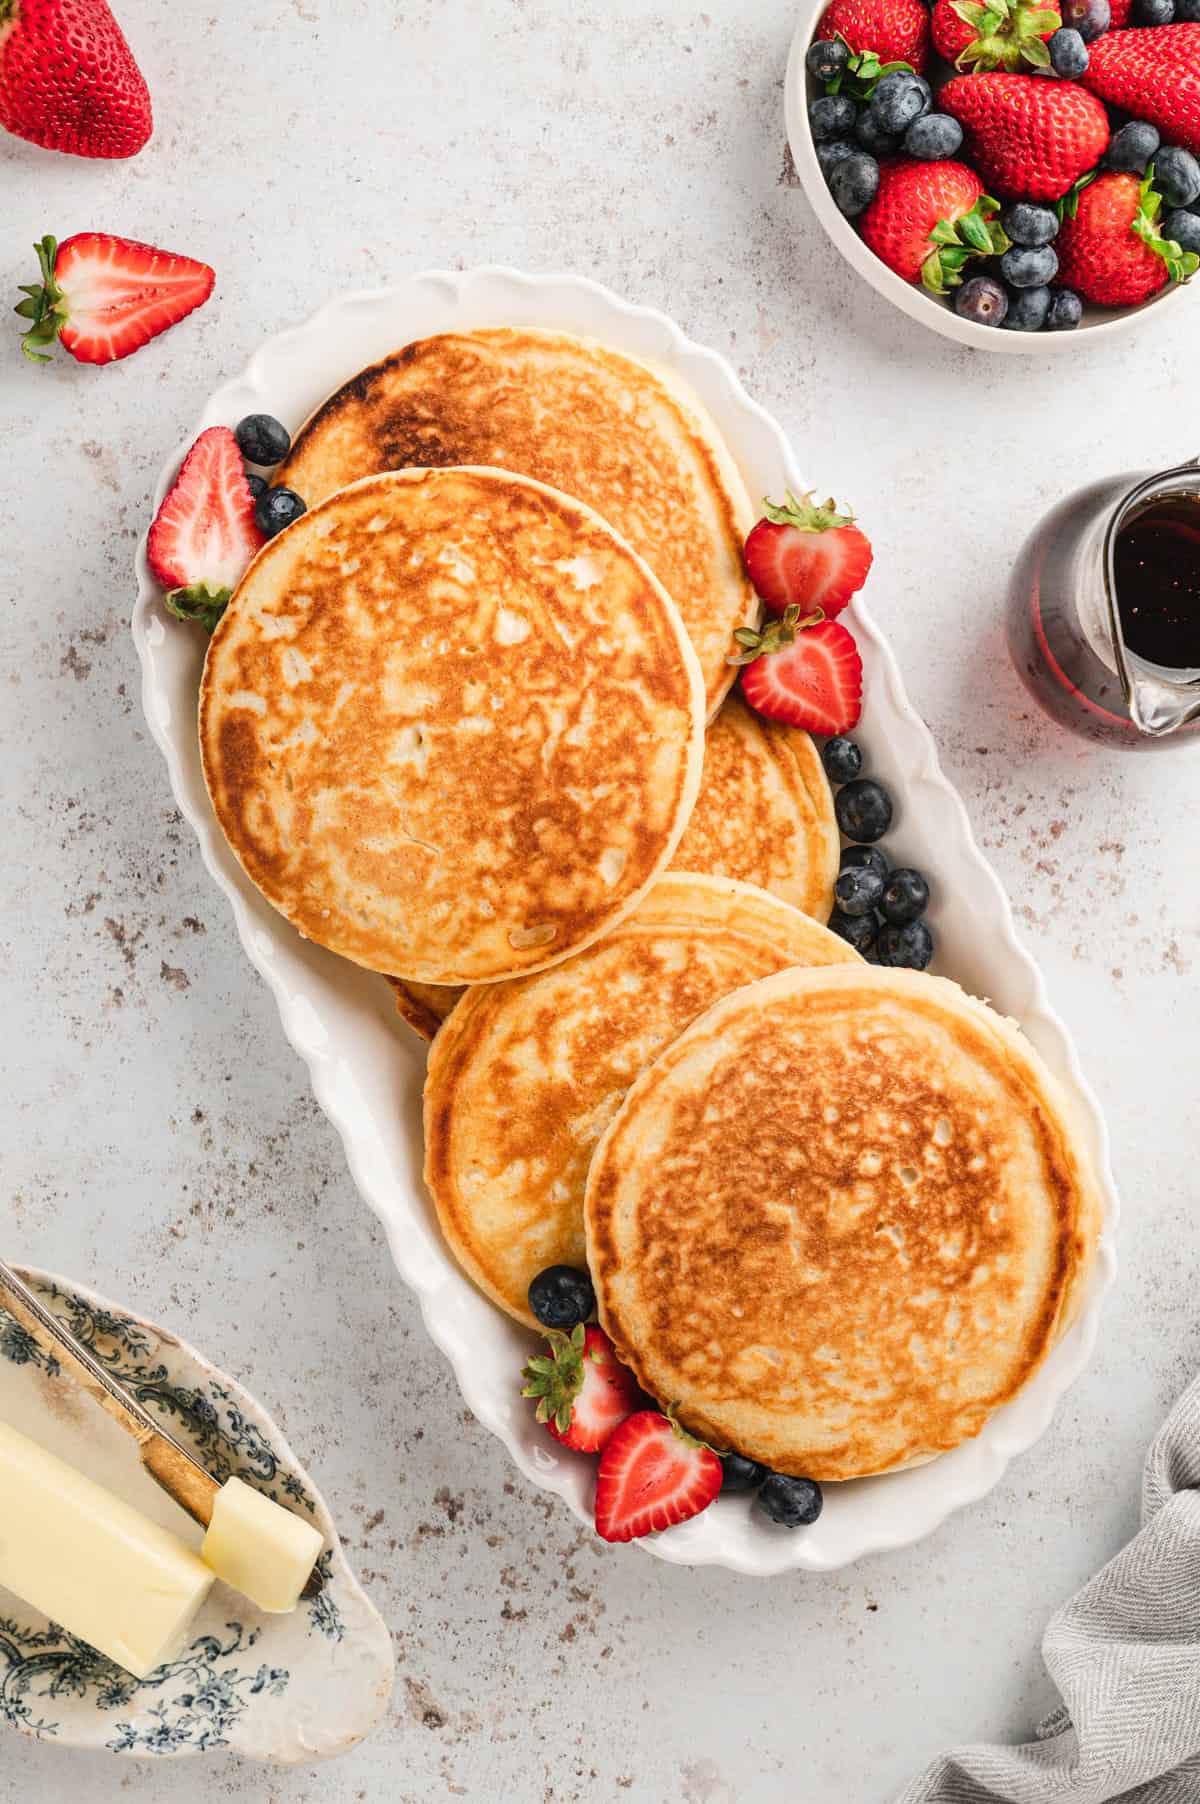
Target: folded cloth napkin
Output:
[(1125, 1654)]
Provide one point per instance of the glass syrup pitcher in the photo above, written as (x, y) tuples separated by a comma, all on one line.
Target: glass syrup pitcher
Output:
[(1104, 610)]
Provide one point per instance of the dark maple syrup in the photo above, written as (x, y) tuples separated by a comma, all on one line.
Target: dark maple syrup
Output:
[(1156, 564)]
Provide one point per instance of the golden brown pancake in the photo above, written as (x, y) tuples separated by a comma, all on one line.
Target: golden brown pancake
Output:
[(451, 725), (524, 1077), (626, 439), (840, 1220), (764, 815)]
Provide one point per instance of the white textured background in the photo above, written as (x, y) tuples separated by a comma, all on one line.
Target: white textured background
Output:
[(157, 1136)]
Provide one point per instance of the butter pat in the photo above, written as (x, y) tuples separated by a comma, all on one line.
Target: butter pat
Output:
[(259, 1548), (90, 1561)]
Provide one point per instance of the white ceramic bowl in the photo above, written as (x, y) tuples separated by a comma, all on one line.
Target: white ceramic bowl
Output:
[(366, 1067), (300, 1687), (1098, 323)]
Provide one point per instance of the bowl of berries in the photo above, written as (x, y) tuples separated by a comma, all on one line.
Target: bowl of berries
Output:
[(1011, 173)]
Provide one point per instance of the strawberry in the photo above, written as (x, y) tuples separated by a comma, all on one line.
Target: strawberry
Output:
[(896, 30), (1110, 249), (928, 219), (103, 297), (652, 1475), (1004, 34), (808, 554), (1154, 74), (1030, 139), (204, 534), (806, 672), (68, 80), (583, 1391)]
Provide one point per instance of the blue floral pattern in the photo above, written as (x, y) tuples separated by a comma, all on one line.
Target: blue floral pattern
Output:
[(197, 1697)]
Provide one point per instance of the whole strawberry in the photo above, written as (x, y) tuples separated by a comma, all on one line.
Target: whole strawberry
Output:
[(896, 30), (1029, 139), (929, 219), (1005, 34), (1153, 74), (1110, 247), (68, 80)]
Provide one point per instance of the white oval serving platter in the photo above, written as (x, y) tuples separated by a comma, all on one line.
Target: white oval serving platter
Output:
[(301, 1687), (1098, 326), (366, 1068)]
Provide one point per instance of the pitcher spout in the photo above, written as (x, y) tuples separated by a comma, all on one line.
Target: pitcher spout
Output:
[(1159, 707)]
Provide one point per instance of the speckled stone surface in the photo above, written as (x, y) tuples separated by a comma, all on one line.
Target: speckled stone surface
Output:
[(158, 1135)]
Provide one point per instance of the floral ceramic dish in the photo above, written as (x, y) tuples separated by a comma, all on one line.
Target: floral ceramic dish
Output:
[(282, 1688)]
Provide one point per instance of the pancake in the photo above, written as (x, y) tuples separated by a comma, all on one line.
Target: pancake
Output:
[(451, 725), (524, 1077), (840, 1220), (764, 815), (628, 440)]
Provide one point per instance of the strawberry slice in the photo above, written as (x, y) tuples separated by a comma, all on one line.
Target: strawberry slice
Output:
[(205, 534), (807, 553), (805, 672), (583, 1391), (103, 297), (652, 1475)]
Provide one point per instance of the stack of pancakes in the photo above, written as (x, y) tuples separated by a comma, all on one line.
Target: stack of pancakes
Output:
[(467, 723)]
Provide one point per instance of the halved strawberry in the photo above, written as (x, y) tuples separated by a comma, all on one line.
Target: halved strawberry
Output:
[(807, 553), (104, 297), (583, 1391), (205, 534), (805, 672), (652, 1475)]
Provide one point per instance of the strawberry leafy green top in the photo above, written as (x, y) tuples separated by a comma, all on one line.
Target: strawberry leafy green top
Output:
[(1008, 34), (955, 242), (43, 303), (863, 73), (1181, 265)]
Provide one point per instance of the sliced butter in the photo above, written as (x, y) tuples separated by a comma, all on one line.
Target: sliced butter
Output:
[(90, 1561), (258, 1547)]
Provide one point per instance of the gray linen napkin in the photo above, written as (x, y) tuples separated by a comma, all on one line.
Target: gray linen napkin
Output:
[(1125, 1654)]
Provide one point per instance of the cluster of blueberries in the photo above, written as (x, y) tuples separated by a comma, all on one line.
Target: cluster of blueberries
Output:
[(851, 135), (562, 1296), (264, 441), (878, 910)]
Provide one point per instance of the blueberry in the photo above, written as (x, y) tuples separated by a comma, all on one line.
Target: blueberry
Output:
[(910, 946), (900, 98), (832, 116), (933, 136), (1184, 228), (983, 300), (261, 439), (874, 136), (1187, 12), (842, 759), (1177, 176), (864, 810), (1090, 18), (1152, 12), (792, 1502), (277, 508), (857, 930), (1068, 53), (1027, 224), (854, 183), (858, 891), (741, 1474), (256, 484), (561, 1297), (1066, 308), (905, 897), (827, 59), (1132, 147), (834, 152), (1027, 309), (864, 857), (1029, 265)]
